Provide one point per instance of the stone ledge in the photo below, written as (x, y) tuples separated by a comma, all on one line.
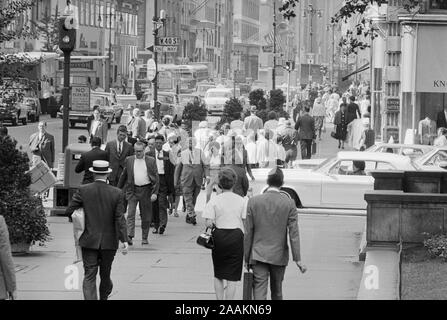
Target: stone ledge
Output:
[(386, 262)]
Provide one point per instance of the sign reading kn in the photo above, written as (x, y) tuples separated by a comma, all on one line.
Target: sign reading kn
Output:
[(80, 98), (168, 41)]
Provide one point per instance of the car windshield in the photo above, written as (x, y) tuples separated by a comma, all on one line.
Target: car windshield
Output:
[(324, 165), (218, 94), (167, 99)]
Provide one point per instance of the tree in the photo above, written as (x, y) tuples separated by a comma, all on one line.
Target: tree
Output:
[(12, 65), (194, 112), (353, 40), (48, 29), (23, 212), (232, 111), (277, 100), (257, 98)]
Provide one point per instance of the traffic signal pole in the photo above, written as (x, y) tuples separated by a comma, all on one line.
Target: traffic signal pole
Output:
[(155, 81), (66, 99)]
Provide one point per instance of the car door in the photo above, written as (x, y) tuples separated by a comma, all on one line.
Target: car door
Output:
[(341, 190)]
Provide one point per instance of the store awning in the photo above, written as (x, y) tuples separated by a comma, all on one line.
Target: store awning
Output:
[(361, 69), (27, 57), (86, 58)]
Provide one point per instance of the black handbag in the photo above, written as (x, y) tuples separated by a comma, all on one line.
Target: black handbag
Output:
[(206, 239)]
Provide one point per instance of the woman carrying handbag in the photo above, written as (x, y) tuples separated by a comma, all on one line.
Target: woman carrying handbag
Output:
[(226, 213)]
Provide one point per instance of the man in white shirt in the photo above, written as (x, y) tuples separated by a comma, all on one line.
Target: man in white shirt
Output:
[(253, 123), (97, 126), (140, 177)]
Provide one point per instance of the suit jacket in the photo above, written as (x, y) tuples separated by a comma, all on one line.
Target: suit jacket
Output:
[(138, 127), (116, 161), (306, 127), (101, 130), (104, 215), (127, 177), (7, 268), (169, 169), (86, 162), (270, 216), (43, 147), (189, 171), (441, 121)]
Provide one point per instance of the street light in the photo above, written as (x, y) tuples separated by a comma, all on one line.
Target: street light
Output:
[(158, 22), (110, 15), (311, 12), (265, 2)]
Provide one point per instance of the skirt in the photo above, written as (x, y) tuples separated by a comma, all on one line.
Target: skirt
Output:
[(228, 254)]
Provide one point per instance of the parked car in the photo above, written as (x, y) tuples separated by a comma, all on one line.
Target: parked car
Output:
[(203, 87), (12, 111), (169, 104), (33, 108), (216, 98), (410, 150), (432, 159), (331, 184)]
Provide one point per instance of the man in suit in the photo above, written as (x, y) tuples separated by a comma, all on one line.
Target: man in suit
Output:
[(118, 150), (86, 160), (98, 127), (8, 288), (104, 226), (441, 119), (306, 132), (166, 177), (136, 127), (191, 169), (42, 145), (140, 177), (270, 216)]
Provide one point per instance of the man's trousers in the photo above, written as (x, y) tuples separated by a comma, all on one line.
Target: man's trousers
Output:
[(141, 196)]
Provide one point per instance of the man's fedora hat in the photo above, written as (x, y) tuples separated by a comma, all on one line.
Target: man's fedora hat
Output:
[(100, 166)]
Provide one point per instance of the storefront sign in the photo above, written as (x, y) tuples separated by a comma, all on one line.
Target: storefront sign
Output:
[(431, 64), (392, 104), (77, 65)]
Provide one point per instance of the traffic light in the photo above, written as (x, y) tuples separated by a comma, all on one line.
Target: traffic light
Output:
[(67, 33), (290, 65)]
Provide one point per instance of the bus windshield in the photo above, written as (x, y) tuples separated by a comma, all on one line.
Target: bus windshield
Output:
[(218, 94)]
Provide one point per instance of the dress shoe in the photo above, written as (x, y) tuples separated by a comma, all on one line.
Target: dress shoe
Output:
[(176, 213), (144, 242), (193, 221), (188, 219), (162, 230), (155, 231), (129, 241)]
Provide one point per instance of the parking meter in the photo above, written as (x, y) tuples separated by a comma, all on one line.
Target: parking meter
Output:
[(73, 153)]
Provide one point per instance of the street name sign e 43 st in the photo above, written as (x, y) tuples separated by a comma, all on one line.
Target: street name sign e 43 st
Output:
[(161, 49), (168, 41)]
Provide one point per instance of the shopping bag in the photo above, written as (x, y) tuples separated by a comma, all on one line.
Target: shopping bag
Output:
[(247, 293), (314, 147), (78, 229)]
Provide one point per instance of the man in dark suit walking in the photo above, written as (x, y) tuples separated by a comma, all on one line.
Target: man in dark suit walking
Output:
[(306, 133), (166, 175), (42, 144), (441, 119), (87, 159), (270, 217), (140, 177), (104, 226), (118, 150)]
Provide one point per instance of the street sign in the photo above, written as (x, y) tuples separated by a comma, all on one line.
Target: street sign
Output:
[(267, 49), (161, 49), (158, 49), (168, 41), (151, 69), (80, 98)]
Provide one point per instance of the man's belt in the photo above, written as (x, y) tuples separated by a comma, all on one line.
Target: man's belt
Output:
[(146, 185)]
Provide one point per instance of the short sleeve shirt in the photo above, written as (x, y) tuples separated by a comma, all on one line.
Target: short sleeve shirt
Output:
[(227, 210)]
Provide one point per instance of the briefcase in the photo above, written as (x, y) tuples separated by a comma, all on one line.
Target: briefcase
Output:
[(314, 147), (247, 293)]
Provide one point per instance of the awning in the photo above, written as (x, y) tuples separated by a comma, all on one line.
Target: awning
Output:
[(86, 58), (361, 69), (27, 57)]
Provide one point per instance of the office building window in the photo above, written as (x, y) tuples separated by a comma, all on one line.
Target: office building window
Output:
[(393, 59), (438, 4), (393, 29), (392, 89)]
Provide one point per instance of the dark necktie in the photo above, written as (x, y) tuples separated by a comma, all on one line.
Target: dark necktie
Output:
[(119, 149)]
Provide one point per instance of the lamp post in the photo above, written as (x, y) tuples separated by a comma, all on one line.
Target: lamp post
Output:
[(110, 15), (158, 22), (311, 12)]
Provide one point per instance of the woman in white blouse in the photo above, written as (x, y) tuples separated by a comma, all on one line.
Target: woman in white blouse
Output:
[(226, 212)]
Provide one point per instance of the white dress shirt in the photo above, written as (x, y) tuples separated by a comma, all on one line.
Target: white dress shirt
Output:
[(95, 126), (160, 163), (140, 172)]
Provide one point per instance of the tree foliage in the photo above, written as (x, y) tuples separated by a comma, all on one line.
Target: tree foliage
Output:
[(277, 100), (354, 39), (194, 112), (23, 212), (257, 98), (232, 110), (48, 28)]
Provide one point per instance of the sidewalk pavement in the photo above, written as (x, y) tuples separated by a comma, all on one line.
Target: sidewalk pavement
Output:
[(174, 267)]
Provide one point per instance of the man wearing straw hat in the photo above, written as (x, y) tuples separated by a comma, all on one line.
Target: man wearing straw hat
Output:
[(104, 226)]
